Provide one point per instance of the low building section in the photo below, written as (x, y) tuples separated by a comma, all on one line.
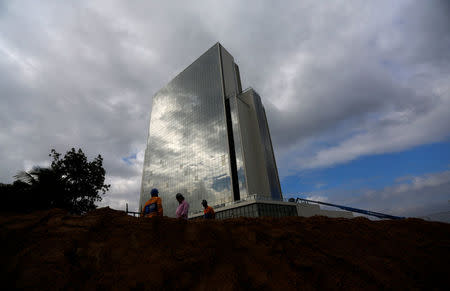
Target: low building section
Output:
[(262, 207)]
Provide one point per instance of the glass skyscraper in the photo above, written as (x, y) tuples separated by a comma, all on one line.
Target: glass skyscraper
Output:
[(208, 139)]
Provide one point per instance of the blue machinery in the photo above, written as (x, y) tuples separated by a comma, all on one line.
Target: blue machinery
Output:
[(367, 212)]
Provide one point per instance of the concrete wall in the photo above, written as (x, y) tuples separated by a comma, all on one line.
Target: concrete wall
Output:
[(336, 213), (307, 210)]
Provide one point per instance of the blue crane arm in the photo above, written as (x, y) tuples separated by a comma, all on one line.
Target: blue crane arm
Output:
[(367, 212)]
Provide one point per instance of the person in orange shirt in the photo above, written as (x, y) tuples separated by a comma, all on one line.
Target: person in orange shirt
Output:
[(153, 207), (209, 211)]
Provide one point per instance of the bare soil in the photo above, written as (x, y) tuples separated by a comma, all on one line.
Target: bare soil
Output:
[(106, 249)]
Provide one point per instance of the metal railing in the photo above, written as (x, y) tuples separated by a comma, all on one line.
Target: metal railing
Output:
[(133, 213)]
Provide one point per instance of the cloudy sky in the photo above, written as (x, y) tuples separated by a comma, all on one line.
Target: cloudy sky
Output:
[(357, 93)]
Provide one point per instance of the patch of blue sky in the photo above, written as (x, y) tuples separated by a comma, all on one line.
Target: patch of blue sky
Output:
[(374, 172), (129, 160)]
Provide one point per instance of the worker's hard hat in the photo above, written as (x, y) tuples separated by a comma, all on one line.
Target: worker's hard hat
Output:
[(154, 191)]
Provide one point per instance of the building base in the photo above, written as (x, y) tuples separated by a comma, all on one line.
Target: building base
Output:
[(260, 207)]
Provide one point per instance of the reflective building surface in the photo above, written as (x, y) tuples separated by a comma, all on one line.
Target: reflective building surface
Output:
[(207, 139)]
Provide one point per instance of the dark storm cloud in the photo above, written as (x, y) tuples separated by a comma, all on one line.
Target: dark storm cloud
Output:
[(338, 79)]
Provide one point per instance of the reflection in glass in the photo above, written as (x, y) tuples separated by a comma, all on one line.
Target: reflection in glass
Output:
[(187, 141), (274, 183), (198, 146)]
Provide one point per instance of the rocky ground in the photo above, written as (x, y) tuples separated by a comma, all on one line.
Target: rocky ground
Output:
[(106, 249)]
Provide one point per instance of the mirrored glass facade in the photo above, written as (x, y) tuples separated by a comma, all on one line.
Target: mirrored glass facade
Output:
[(231, 91), (261, 175), (194, 143), (266, 142)]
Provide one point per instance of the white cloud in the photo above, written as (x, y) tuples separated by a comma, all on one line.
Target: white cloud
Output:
[(317, 198), (392, 132), (122, 191), (409, 196), (28, 165)]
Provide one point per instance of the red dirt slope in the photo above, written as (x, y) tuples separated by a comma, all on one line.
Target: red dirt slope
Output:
[(107, 249)]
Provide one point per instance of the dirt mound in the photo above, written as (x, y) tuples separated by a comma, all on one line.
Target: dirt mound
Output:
[(107, 249)]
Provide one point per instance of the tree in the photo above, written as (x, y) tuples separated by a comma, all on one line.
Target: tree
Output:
[(40, 188), (70, 183)]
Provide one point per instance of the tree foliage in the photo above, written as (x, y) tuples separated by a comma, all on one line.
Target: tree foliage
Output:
[(71, 182)]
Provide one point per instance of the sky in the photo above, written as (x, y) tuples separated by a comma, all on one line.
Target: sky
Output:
[(357, 93)]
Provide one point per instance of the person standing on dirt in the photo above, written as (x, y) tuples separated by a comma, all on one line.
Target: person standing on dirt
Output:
[(153, 207), (183, 207), (208, 211)]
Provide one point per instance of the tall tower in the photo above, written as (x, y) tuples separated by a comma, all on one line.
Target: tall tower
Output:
[(207, 139)]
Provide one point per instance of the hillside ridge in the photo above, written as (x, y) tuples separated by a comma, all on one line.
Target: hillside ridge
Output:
[(107, 249)]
